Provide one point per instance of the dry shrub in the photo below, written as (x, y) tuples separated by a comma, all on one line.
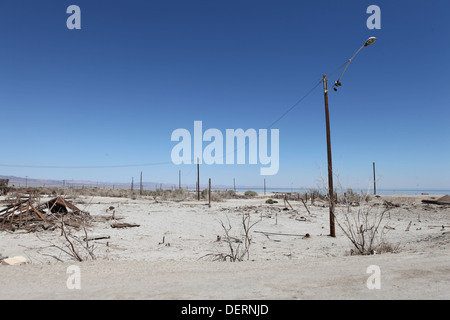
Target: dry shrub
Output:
[(363, 226), (238, 245), (250, 194)]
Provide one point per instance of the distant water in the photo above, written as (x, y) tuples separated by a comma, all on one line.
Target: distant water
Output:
[(410, 192), (379, 191)]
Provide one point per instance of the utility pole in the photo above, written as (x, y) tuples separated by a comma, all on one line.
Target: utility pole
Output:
[(234, 184), (374, 181), (327, 118), (209, 193), (132, 183), (141, 188), (26, 181), (198, 179), (179, 179), (330, 165)]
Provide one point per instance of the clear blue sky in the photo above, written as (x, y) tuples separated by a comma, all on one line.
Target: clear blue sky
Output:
[(112, 93)]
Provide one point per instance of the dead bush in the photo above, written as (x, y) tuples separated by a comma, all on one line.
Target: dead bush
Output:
[(363, 226), (238, 245)]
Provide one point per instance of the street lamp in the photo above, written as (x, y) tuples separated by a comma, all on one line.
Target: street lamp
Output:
[(327, 120)]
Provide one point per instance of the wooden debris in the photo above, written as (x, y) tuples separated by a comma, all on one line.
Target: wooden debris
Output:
[(286, 201), (305, 206), (389, 204), (280, 234), (445, 200), (97, 238), (409, 225), (28, 214), (124, 225)]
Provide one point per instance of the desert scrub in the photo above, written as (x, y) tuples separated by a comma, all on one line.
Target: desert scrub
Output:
[(221, 195), (364, 227), (238, 244), (250, 194)]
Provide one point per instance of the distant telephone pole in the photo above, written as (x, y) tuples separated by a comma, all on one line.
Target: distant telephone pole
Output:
[(179, 179), (132, 183), (209, 193), (198, 179), (141, 188), (374, 181)]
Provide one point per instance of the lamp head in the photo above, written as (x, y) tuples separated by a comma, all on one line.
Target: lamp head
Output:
[(370, 41)]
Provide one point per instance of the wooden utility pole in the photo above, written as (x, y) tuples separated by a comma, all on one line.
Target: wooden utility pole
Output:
[(198, 179), (330, 165), (209, 193), (374, 181), (132, 183), (179, 179), (140, 186)]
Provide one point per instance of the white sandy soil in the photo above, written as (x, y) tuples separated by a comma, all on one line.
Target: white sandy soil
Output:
[(283, 264)]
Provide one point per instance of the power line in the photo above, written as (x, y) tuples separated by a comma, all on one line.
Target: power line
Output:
[(280, 117), (85, 167), (166, 163), (295, 104)]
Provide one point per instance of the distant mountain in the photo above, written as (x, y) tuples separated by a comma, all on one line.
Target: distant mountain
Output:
[(30, 182)]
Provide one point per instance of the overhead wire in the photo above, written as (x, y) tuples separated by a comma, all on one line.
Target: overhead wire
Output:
[(309, 92)]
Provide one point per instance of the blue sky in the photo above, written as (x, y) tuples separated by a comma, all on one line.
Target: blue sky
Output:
[(111, 93)]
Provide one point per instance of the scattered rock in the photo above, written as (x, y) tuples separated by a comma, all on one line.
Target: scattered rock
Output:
[(14, 261)]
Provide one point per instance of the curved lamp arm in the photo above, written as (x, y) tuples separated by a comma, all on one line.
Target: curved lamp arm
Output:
[(367, 43)]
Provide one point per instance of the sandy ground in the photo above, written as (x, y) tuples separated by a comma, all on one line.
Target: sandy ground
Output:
[(134, 263)]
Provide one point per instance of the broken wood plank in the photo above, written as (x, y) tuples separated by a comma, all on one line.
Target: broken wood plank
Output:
[(97, 238), (12, 206), (305, 206), (409, 225), (37, 212), (280, 234), (286, 201), (124, 225)]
